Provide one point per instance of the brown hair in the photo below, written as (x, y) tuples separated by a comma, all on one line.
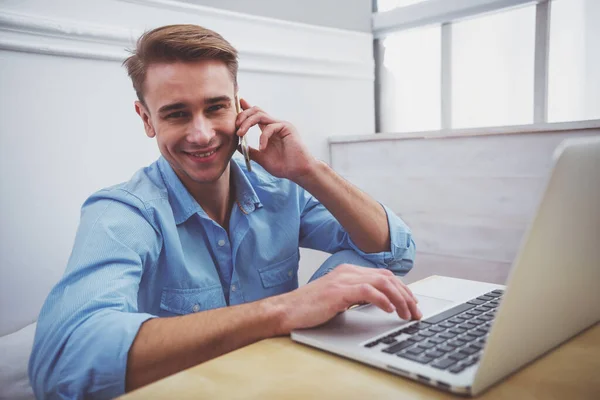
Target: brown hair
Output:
[(178, 43)]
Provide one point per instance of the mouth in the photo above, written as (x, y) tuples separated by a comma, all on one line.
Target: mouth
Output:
[(202, 156)]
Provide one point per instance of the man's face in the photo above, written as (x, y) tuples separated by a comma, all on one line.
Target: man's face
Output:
[(190, 109)]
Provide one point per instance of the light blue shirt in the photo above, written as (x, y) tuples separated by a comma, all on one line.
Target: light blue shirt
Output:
[(145, 249)]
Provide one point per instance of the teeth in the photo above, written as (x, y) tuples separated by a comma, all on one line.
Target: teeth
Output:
[(203, 155)]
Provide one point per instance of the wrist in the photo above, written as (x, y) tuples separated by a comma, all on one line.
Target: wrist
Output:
[(275, 310), (314, 170)]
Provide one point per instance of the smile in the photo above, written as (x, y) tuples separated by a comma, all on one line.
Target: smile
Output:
[(203, 155)]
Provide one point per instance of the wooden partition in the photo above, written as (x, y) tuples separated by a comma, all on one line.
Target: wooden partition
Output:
[(468, 197)]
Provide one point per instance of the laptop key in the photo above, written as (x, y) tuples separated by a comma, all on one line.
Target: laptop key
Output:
[(449, 313), (468, 337), (415, 350), (467, 325), (445, 348), (458, 356), (372, 344), (468, 363), (485, 298), (469, 350), (457, 330), (446, 335), (388, 340), (456, 343), (417, 338), (477, 345), (486, 317), (427, 345), (475, 302), (422, 325), (447, 324), (427, 333), (437, 329), (494, 294), (456, 321), (417, 358), (434, 354), (437, 339), (478, 332), (456, 369), (474, 312), (398, 346), (444, 363)]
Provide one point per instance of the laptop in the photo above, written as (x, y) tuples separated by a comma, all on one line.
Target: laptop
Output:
[(473, 334)]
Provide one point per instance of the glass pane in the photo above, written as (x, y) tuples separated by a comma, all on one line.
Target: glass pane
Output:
[(387, 5), (410, 81), (492, 69), (574, 60)]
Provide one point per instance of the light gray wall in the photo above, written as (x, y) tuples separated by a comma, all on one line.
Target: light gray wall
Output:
[(467, 199), (81, 132), (344, 14)]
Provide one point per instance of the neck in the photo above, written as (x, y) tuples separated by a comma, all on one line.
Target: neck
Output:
[(216, 198)]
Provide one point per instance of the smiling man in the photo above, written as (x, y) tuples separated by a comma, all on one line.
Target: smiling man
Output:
[(196, 256)]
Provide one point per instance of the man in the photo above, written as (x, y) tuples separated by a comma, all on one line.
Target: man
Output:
[(196, 256)]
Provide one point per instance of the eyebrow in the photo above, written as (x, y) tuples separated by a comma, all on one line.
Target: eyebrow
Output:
[(180, 105)]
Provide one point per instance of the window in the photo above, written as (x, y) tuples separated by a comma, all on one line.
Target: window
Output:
[(387, 5), (476, 64), (492, 69), (411, 81), (574, 61)]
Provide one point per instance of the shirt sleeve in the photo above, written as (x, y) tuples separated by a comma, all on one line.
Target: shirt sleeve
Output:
[(320, 230), (90, 318)]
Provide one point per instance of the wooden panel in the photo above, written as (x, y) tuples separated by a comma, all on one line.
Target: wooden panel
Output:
[(503, 197), (458, 267), (484, 156), (476, 241), (467, 199)]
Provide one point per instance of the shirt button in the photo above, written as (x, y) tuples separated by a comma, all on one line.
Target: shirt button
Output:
[(290, 273), (233, 288), (221, 243), (196, 308)]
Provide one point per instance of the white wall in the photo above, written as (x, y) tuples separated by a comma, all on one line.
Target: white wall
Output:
[(347, 14), (67, 125)]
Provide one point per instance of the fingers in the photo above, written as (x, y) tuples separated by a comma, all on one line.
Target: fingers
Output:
[(385, 282), (269, 131), (244, 104), (250, 117), (367, 293)]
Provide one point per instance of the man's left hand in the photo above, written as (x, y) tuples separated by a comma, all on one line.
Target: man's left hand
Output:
[(280, 152)]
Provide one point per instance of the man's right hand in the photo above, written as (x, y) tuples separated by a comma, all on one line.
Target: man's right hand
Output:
[(347, 285)]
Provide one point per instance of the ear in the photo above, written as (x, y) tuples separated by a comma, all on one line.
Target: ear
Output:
[(144, 114)]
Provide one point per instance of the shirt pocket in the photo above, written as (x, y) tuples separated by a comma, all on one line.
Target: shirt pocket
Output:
[(186, 301), (282, 272)]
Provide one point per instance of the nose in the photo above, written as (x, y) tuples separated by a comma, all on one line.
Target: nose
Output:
[(200, 131)]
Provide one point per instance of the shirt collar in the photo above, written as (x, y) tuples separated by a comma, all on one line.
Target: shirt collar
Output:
[(246, 198), (184, 205)]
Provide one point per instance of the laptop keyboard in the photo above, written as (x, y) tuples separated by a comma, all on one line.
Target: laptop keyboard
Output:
[(452, 340)]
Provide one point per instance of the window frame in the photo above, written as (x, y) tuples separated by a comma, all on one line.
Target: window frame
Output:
[(445, 13)]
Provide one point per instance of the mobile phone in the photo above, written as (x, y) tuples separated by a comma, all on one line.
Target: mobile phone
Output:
[(243, 142)]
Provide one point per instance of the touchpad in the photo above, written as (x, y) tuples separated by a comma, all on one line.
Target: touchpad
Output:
[(428, 306)]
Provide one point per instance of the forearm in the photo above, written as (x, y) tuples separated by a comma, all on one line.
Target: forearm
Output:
[(164, 346), (361, 216)]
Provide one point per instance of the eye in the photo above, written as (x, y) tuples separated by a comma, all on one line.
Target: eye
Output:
[(216, 107), (176, 114)]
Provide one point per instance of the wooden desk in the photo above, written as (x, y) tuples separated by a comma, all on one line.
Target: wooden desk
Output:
[(281, 369)]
